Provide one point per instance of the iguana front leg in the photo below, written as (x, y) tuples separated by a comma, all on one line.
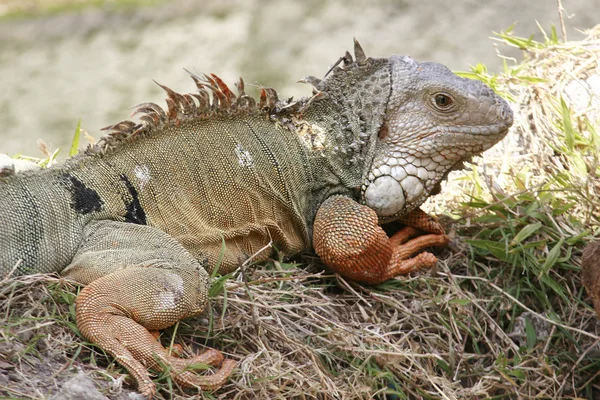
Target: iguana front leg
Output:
[(140, 279), (349, 240)]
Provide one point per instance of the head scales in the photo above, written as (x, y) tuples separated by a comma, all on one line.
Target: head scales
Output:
[(435, 120)]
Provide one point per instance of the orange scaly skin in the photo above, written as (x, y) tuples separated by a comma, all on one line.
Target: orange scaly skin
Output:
[(419, 219), (349, 240)]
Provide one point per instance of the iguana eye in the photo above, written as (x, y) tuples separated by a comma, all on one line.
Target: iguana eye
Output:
[(443, 101)]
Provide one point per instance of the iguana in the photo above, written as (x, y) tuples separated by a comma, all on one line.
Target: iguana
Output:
[(140, 217)]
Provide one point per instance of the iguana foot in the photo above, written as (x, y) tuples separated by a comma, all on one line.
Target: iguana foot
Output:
[(349, 240), (182, 370), (405, 244), (112, 318)]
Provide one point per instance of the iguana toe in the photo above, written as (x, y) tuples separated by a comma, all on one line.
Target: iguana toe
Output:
[(147, 388), (182, 371), (419, 219)]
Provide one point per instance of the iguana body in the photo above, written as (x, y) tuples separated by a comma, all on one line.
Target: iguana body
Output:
[(141, 217)]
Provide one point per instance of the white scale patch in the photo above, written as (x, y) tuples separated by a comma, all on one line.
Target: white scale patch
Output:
[(385, 196), (413, 188), (167, 299), (311, 135), (397, 182), (15, 164), (244, 157), (142, 172)]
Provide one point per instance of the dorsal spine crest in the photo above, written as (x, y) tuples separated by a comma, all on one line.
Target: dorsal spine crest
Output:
[(180, 107), (215, 98)]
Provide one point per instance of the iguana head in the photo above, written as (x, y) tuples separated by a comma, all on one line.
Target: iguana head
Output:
[(394, 128), (433, 122)]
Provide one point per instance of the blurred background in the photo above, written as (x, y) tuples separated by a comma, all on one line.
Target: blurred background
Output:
[(66, 60)]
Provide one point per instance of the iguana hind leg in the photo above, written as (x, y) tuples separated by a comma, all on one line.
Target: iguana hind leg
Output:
[(140, 279), (349, 240)]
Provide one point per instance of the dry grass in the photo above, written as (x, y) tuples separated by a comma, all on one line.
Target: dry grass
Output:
[(503, 316)]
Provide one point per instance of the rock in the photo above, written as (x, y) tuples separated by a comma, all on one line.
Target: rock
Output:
[(135, 396), (79, 387), (3, 378), (541, 328)]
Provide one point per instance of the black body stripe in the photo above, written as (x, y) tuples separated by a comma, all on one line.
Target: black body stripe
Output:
[(84, 200), (135, 213)]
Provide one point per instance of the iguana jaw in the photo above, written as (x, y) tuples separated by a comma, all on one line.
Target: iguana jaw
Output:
[(403, 179)]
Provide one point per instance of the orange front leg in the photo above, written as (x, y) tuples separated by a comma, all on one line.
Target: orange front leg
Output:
[(349, 240)]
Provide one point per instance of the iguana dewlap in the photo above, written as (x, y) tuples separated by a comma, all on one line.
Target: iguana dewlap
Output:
[(141, 217)]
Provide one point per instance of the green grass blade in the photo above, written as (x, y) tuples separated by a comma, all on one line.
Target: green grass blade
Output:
[(75, 142), (524, 233), (567, 125)]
